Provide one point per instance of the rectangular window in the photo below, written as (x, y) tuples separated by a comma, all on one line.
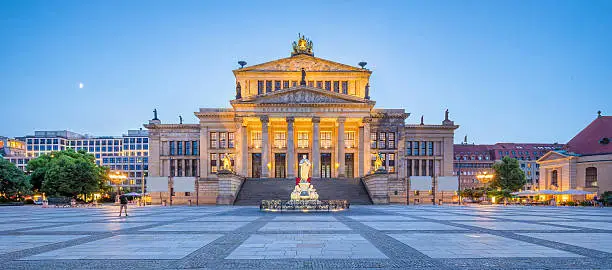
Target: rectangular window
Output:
[(294, 84), (213, 163), (381, 140), (328, 85), (320, 84), (424, 167), (187, 168), (194, 167), (196, 149), (213, 140), (372, 160), (280, 139), (337, 86), (179, 147), (430, 149), (222, 140), (373, 140), (171, 146), (349, 139), (391, 165), (188, 148), (345, 87), (260, 87), (171, 167), (302, 139), (326, 139), (310, 83), (256, 139), (391, 140), (231, 141), (277, 85), (285, 84), (268, 86), (408, 149), (409, 168), (422, 148), (415, 148), (179, 166)]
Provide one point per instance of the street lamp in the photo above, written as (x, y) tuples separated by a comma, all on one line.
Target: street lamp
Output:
[(117, 177), (142, 181), (484, 177)]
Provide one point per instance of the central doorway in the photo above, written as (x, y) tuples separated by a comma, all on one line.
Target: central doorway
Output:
[(279, 165), (256, 165), (326, 165), (349, 161), (299, 158)]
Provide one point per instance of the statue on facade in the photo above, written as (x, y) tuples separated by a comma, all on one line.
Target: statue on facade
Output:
[(238, 91), (422, 123), (446, 115), (302, 46), (180, 119), (303, 81), (367, 91), (227, 163), (155, 114)]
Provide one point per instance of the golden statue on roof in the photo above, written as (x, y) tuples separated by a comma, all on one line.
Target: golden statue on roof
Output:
[(302, 46)]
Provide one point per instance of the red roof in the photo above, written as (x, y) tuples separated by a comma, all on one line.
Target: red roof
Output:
[(587, 142)]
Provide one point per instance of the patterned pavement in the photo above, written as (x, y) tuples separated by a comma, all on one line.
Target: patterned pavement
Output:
[(415, 237)]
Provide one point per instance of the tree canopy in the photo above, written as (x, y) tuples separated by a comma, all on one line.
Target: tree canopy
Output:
[(13, 181), (508, 175), (67, 173)]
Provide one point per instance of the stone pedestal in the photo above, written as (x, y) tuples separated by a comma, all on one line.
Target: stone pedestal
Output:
[(229, 185), (377, 185)]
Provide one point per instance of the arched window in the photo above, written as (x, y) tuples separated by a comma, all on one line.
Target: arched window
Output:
[(591, 177), (553, 178)]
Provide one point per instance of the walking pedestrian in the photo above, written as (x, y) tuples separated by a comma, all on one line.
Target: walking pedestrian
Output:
[(124, 203)]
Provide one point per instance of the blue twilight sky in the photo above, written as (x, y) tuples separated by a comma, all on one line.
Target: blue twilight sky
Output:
[(508, 71)]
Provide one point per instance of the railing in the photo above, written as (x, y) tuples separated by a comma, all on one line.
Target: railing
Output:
[(304, 206)]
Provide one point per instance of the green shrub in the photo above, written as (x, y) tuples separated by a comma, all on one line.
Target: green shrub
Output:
[(571, 203), (586, 203), (29, 201)]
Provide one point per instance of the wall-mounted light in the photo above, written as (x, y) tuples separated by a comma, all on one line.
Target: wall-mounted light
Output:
[(269, 165)]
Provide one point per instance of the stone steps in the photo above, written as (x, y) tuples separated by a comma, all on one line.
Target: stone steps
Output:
[(256, 189)]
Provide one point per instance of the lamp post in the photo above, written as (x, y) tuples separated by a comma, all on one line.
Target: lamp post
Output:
[(117, 177), (484, 177), (142, 181), (459, 181)]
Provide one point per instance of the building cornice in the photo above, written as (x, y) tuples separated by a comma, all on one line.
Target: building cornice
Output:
[(172, 126)]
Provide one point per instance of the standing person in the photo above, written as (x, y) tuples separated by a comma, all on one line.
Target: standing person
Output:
[(124, 202)]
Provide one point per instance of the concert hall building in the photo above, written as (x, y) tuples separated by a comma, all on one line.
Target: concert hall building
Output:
[(300, 106)]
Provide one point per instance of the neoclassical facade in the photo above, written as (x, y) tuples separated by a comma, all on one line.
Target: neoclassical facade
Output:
[(301, 106)]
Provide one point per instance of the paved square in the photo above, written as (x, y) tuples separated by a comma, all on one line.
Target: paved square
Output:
[(305, 226), (307, 246), (134, 247), (411, 226), (597, 241), (363, 237), (455, 245)]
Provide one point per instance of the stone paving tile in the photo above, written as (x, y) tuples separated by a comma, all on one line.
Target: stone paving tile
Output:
[(10, 243), (597, 241), (412, 226), (305, 226), (474, 245), (307, 246), (134, 247), (459, 217), (305, 218), (226, 218), (198, 226), (511, 226), (586, 224), (381, 218), (24, 225), (91, 227)]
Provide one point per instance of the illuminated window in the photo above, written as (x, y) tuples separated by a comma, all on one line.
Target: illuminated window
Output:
[(349, 139), (213, 163), (591, 177), (391, 140), (302, 139), (373, 140), (381, 140), (213, 140), (256, 139), (280, 139), (326, 139), (391, 164)]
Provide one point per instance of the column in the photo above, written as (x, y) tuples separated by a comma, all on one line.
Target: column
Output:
[(265, 147), (204, 164), (244, 150), (360, 153), (366, 150), (341, 158), (316, 154), (290, 148)]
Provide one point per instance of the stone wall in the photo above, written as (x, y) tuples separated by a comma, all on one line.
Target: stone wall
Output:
[(229, 185)]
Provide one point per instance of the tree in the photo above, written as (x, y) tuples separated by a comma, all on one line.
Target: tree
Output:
[(13, 182), (508, 176), (68, 173)]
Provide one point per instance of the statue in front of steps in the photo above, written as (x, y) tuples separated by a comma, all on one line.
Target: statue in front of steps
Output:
[(303, 189)]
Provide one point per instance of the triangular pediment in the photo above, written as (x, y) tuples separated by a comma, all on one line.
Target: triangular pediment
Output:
[(296, 63), (552, 155), (303, 95)]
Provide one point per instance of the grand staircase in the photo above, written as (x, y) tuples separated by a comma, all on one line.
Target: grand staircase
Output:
[(256, 189)]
